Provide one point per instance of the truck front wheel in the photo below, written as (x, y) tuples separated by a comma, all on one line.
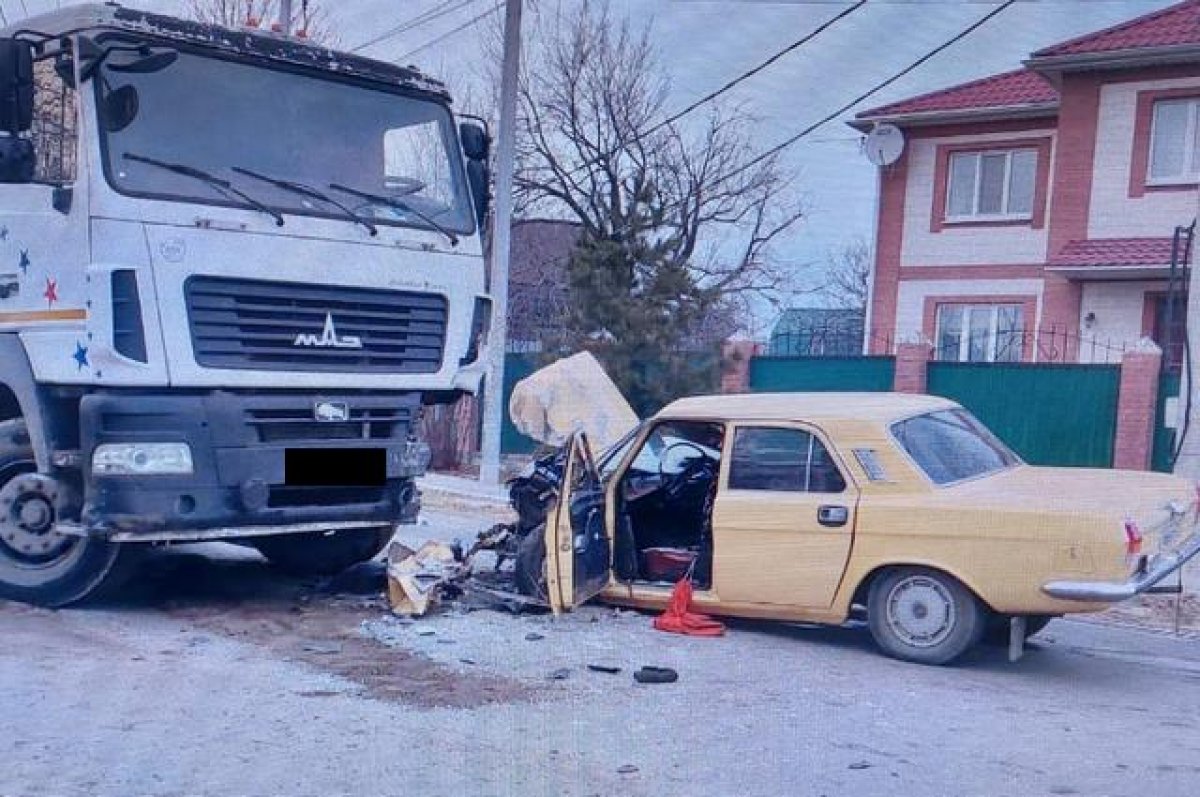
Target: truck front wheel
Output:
[(38, 564), (323, 553)]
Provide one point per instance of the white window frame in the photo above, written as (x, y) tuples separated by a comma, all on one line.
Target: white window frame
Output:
[(1191, 167), (978, 156), (964, 333)]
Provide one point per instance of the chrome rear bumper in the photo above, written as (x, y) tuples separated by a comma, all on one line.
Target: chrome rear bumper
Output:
[(1156, 568)]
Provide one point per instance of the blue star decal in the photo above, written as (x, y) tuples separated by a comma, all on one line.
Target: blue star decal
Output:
[(3, 233), (80, 356), (25, 261)]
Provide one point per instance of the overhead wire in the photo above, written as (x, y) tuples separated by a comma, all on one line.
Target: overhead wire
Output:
[(427, 16), (958, 37), (453, 31)]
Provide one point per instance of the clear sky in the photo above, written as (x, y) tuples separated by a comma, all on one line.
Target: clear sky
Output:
[(706, 42)]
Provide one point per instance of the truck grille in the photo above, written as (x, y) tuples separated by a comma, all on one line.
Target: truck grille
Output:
[(283, 420), (279, 326)]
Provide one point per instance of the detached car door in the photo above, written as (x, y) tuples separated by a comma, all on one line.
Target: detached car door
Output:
[(783, 519), (578, 550)]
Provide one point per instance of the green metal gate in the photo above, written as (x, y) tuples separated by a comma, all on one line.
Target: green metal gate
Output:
[(821, 374), (1049, 414), (1164, 436)]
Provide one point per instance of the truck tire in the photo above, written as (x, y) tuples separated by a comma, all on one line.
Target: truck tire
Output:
[(323, 553), (38, 565), (530, 565), (923, 615)]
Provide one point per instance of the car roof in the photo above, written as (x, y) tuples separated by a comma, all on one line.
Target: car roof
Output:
[(877, 407)]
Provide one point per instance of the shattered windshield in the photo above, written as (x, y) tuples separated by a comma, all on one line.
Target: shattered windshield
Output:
[(387, 157)]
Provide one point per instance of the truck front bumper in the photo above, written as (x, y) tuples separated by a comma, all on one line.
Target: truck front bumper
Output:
[(1152, 570), (239, 445)]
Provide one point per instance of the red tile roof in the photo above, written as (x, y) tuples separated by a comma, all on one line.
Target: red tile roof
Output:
[(1175, 25), (1009, 90), (1114, 252)]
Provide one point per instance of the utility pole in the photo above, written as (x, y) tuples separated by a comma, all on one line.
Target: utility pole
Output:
[(493, 395), (285, 17)]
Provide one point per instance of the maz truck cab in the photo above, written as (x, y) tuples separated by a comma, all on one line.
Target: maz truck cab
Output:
[(233, 267)]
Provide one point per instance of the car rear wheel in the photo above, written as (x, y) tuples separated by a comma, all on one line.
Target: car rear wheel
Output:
[(38, 564), (923, 615), (323, 553)]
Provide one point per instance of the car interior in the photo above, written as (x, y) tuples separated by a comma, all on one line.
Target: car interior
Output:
[(665, 503)]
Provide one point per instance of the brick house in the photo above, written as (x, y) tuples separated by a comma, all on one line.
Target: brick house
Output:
[(1039, 206)]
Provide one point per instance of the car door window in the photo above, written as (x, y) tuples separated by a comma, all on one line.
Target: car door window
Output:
[(783, 460)]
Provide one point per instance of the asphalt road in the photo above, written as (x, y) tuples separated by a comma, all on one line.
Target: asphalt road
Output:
[(216, 676)]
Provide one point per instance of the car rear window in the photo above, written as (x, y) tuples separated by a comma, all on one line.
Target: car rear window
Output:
[(951, 445)]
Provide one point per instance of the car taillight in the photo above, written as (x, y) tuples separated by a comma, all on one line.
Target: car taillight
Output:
[(1133, 538)]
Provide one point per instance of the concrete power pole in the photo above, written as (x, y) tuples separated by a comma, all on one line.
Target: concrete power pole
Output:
[(285, 17), (493, 396)]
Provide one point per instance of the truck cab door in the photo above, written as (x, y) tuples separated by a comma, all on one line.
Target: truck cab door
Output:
[(578, 548)]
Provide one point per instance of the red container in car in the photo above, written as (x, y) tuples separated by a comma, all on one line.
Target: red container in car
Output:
[(666, 564)]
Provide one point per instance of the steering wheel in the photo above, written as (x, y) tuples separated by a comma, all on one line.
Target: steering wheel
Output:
[(674, 484)]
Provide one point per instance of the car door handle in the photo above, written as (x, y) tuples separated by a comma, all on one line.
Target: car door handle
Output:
[(831, 515)]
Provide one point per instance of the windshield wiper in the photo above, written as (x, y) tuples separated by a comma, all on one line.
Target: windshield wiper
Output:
[(398, 204), (311, 193), (224, 186)]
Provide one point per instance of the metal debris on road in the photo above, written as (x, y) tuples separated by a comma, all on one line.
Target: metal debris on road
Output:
[(605, 668), (560, 674), (534, 636)]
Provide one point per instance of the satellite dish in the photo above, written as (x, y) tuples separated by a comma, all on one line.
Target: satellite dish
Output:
[(884, 144)]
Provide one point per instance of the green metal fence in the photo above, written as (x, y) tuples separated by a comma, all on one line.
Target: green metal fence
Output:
[(821, 374), (1049, 414), (1164, 436), (516, 368)]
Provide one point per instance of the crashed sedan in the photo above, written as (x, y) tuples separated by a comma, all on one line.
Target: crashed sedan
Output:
[(819, 507)]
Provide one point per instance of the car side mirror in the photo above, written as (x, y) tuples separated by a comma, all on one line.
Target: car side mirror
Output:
[(476, 142), (16, 111)]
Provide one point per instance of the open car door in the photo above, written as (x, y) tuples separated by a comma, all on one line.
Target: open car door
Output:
[(578, 551)]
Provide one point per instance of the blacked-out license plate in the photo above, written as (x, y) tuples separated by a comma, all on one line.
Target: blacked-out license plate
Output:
[(335, 467)]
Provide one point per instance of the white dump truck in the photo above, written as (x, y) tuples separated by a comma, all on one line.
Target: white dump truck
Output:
[(234, 266)]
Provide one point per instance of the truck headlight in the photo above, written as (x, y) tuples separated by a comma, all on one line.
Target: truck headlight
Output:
[(142, 459)]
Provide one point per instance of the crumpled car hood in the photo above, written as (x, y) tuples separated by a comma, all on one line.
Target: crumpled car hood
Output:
[(572, 394)]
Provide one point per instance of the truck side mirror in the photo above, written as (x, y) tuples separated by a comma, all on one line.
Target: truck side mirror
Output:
[(16, 111), (477, 176), (476, 143)]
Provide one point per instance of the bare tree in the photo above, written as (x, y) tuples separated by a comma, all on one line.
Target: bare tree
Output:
[(850, 275), (677, 218), (309, 17), (592, 145)]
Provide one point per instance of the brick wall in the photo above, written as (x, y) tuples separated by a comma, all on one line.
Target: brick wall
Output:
[(735, 365), (912, 365), (1136, 406)]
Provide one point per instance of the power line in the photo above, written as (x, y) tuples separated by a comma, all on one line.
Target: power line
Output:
[(759, 68), (441, 10), (472, 21), (874, 90)]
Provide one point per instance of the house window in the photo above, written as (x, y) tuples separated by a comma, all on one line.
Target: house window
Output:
[(991, 186), (991, 333), (1175, 142)]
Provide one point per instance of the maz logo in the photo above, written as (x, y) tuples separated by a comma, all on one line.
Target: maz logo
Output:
[(328, 339)]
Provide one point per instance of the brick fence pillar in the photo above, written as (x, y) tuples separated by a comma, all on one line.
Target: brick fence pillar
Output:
[(735, 365), (1137, 405), (912, 364)]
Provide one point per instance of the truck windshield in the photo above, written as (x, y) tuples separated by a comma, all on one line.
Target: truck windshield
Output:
[(396, 151), (951, 445)]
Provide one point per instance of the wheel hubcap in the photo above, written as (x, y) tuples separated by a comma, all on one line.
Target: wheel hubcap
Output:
[(27, 519), (921, 611)]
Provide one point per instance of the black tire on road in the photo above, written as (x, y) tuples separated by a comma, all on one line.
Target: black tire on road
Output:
[(998, 629), (530, 565), (922, 615), (323, 553), (38, 565)]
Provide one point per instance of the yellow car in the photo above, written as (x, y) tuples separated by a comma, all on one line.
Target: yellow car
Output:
[(804, 507)]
